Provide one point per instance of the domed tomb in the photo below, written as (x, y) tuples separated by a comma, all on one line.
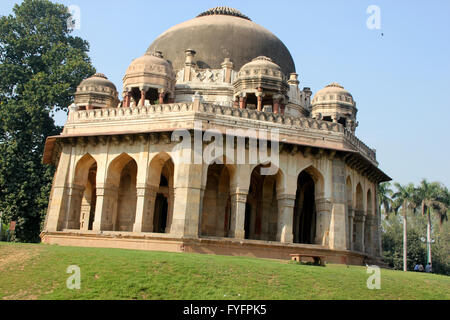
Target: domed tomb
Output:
[(221, 33), (96, 92), (334, 103)]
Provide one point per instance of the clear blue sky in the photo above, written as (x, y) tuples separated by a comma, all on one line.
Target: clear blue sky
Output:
[(400, 81)]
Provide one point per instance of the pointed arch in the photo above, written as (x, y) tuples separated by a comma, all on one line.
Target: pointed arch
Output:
[(216, 208), (160, 180), (83, 196), (121, 181), (261, 212)]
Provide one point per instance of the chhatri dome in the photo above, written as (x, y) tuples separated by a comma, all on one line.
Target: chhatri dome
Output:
[(221, 33)]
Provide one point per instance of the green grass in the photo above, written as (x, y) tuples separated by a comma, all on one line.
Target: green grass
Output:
[(39, 272)]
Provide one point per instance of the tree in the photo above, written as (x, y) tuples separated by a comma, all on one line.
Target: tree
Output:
[(385, 198), (404, 199), (432, 197), (41, 65)]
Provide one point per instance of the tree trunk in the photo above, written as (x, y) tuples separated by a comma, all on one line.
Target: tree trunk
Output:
[(429, 235), (405, 257)]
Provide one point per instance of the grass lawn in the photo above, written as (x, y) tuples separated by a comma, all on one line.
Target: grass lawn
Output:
[(39, 272)]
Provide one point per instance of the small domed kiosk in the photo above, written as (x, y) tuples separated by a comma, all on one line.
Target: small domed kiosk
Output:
[(96, 92), (334, 103)]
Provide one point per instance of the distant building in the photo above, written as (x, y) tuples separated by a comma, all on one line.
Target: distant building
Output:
[(120, 181)]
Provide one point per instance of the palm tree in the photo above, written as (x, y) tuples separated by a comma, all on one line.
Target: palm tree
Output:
[(432, 196), (404, 198), (385, 198)]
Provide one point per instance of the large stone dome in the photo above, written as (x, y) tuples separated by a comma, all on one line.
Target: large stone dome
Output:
[(221, 33)]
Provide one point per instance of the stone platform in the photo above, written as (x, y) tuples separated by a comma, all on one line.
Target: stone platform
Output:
[(204, 245)]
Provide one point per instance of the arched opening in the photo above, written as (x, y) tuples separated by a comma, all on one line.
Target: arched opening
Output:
[(343, 121), (89, 200), (251, 101), (152, 96), (216, 213), (305, 210), (159, 217), (121, 194), (261, 211), (82, 208), (126, 200)]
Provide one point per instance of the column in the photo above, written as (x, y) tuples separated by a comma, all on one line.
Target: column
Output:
[(351, 216), (359, 225), (243, 101), (286, 204), (323, 211), (276, 105), (259, 97), (238, 201), (126, 100), (74, 197), (105, 208), (161, 94), (142, 101), (58, 195), (145, 208), (187, 200)]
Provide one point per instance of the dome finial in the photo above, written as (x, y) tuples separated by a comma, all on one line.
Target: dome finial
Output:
[(226, 11)]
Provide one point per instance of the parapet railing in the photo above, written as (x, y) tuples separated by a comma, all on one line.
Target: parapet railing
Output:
[(142, 112)]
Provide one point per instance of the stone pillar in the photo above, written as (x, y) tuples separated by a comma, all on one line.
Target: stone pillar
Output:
[(323, 211), (286, 204), (145, 208), (127, 100), (74, 198), (276, 105), (369, 234), (187, 200), (142, 101), (236, 102), (161, 94), (359, 225), (259, 97), (105, 209), (58, 195), (238, 202), (338, 223), (351, 216), (227, 66), (243, 101)]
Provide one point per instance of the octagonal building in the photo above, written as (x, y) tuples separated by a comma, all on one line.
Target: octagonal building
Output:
[(214, 148)]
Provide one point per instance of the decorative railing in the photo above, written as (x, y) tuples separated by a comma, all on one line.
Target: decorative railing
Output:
[(116, 114), (359, 145)]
